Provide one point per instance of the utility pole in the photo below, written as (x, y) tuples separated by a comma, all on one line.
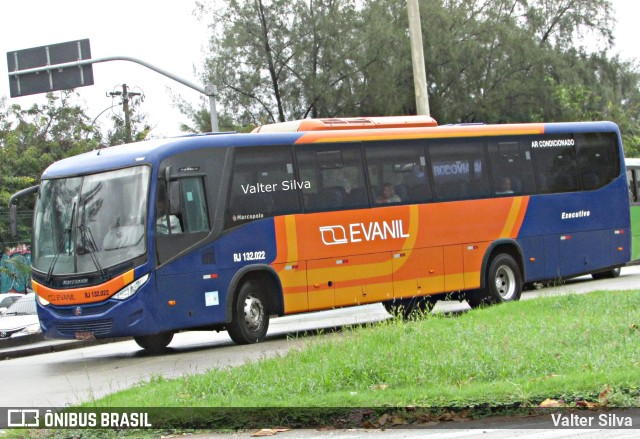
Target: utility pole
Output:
[(76, 67), (417, 57), (125, 95)]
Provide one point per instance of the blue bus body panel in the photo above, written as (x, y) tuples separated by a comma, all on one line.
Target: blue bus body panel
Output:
[(576, 232)]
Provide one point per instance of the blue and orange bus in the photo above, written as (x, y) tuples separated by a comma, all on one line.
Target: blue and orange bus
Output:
[(223, 231)]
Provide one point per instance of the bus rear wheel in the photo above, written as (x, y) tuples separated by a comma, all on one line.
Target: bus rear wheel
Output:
[(609, 274), (503, 283), (250, 319), (154, 343)]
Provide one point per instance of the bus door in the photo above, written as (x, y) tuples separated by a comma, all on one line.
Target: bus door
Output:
[(184, 284)]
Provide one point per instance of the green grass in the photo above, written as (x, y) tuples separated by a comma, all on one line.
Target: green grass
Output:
[(498, 360), (568, 348)]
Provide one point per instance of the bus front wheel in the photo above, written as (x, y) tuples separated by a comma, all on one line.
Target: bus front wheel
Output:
[(503, 283), (250, 319), (154, 343)]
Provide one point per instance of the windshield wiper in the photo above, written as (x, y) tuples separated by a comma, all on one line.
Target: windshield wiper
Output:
[(87, 236), (61, 245)]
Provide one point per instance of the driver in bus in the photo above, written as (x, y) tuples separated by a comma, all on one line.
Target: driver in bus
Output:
[(161, 219)]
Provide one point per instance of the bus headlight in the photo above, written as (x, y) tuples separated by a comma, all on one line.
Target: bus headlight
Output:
[(131, 289), (42, 301)]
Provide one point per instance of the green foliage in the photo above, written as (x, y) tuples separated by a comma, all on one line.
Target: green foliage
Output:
[(31, 139), (492, 62), (136, 130)]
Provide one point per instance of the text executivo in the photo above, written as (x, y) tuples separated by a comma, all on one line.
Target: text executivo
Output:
[(577, 214)]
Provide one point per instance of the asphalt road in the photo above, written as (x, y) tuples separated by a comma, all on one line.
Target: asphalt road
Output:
[(72, 376)]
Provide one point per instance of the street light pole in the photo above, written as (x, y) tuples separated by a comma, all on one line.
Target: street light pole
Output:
[(209, 90), (417, 57)]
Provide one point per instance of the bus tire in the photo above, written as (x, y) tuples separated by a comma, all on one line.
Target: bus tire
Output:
[(154, 343), (503, 283), (609, 274), (407, 307), (250, 318)]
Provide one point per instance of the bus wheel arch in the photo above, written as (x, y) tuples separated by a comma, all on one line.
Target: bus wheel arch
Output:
[(502, 276), (253, 297)]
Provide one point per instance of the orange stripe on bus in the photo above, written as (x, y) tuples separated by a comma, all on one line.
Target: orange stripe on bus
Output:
[(74, 296), (421, 133), (515, 217)]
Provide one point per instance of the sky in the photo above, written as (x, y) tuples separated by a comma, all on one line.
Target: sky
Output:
[(165, 34)]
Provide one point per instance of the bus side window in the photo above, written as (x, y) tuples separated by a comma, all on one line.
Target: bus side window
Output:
[(193, 205), (555, 162), (511, 168), (333, 176), (167, 218), (459, 169), (400, 166), (183, 209), (598, 160), (631, 183), (264, 184)]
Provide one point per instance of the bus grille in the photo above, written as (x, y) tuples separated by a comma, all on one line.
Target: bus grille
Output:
[(87, 310), (97, 327)]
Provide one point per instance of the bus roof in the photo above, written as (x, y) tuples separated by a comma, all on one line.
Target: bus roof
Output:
[(347, 123)]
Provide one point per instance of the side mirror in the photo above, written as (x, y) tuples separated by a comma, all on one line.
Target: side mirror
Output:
[(175, 200), (3, 311), (13, 208), (13, 221)]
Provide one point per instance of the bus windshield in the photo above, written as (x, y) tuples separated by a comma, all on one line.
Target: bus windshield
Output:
[(89, 223)]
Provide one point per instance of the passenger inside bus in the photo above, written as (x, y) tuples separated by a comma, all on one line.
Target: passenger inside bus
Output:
[(388, 195), (505, 187)]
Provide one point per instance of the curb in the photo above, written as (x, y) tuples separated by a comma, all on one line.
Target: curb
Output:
[(34, 345)]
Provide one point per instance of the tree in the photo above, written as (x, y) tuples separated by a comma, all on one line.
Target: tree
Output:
[(487, 61), (277, 60), (31, 139)]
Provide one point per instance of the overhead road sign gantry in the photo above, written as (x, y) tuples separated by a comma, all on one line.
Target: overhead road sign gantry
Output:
[(69, 65), (37, 70)]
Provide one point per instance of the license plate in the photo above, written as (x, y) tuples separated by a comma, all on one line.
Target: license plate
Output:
[(85, 336)]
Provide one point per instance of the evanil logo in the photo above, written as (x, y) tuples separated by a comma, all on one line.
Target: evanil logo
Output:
[(359, 232)]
